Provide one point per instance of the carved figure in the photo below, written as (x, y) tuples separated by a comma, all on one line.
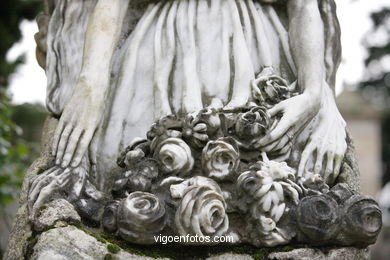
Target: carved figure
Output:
[(236, 101)]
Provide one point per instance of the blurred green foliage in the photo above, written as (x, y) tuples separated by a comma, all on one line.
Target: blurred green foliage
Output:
[(15, 152)]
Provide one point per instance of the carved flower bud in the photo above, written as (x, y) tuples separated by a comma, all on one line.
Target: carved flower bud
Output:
[(268, 88), (137, 179), (253, 123), (137, 150), (140, 216), (318, 217), (202, 212), (220, 158), (210, 117), (196, 134), (362, 219), (174, 156), (162, 127)]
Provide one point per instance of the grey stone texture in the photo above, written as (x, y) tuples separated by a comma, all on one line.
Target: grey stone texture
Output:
[(54, 212), (21, 233), (71, 243), (346, 253)]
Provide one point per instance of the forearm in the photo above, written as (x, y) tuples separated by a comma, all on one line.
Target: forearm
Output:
[(306, 35), (102, 36)]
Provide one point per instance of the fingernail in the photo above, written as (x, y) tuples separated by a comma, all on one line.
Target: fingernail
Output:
[(64, 164), (74, 164)]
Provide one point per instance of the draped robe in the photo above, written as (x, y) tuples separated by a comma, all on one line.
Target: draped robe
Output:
[(175, 57)]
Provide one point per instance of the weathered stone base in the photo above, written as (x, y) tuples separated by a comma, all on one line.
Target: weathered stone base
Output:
[(59, 234), (344, 253), (72, 243)]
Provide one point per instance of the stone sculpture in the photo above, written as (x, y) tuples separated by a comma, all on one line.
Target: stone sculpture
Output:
[(201, 117)]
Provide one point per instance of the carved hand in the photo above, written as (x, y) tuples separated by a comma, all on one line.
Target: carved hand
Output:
[(73, 181), (296, 113), (327, 141), (78, 123)]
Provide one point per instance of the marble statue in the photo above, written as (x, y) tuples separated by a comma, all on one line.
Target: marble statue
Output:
[(201, 117)]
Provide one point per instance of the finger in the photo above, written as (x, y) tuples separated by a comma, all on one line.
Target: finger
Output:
[(92, 192), (275, 110), (71, 146), (285, 149), (43, 195), (63, 179), (63, 142), (309, 148), (329, 166), (284, 156), (318, 163), (51, 172), (283, 143), (37, 196), (93, 148), (78, 185), (278, 132), (34, 194), (337, 166), (57, 135), (81, 148), (270, 147)]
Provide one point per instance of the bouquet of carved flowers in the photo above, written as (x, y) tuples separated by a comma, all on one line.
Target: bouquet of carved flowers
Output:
[(268, 191), (269, 88)]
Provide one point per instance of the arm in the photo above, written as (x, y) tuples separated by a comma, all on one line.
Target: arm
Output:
[(306, 36), (83, 112), (307, 42)]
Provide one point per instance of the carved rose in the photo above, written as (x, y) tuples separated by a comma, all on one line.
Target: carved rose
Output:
[(253, 123), (202, 212), (269, 88), (140, 216), (362, 219), (174, 156), (318, 217), (220, 158), (179, 190)]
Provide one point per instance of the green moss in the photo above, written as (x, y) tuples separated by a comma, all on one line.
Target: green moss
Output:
[(43, 207), (174, 251), (40, 171), (97, 236), (113, 248), (261, 254), (108, 257), (287, 248), (32, 240)]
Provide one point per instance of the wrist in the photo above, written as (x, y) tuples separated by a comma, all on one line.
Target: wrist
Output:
[(94, 86), (312, 100)]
